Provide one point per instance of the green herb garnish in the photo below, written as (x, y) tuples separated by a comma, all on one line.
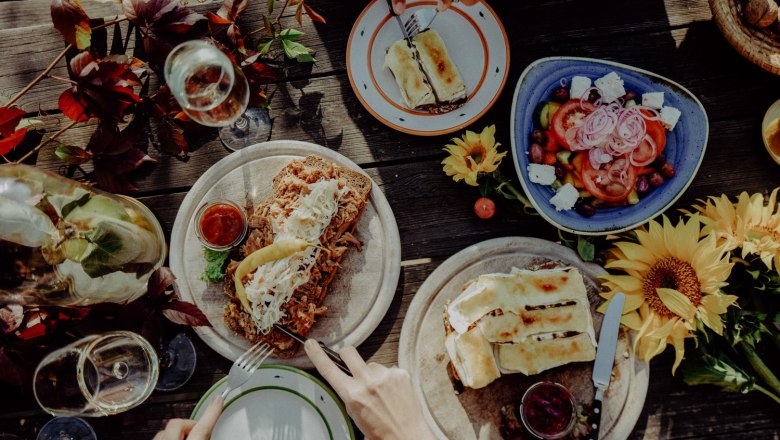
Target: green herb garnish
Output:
[(215, 265)]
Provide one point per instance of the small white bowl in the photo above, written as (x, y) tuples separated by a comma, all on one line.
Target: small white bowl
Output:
[(772, 114)]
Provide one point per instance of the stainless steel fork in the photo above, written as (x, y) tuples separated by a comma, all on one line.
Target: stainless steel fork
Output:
[(245, 365), (421, 20)]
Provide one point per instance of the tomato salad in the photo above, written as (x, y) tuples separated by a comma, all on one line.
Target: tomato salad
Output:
[(600, 141)]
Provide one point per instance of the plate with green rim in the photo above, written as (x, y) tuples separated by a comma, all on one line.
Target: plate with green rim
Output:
[(279, 402)]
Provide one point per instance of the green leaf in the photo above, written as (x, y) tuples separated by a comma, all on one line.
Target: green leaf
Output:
[(305, 58), (265, 46), (297, 51), (215, 265), (268, 26), (73, 155), (585, 249), (720, 371), (290, 34), (105, 245), (271, 4)]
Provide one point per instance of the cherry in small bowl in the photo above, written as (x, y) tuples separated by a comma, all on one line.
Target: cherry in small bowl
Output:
[(548, 410), (221, 224)]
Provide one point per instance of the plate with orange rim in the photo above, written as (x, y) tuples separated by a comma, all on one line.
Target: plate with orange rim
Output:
[(476, 42)]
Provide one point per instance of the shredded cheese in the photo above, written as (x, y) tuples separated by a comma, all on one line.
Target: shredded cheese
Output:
[(272, 284)]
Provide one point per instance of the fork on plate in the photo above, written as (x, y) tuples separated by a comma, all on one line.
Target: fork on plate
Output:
[(421, 20), (245, 365)]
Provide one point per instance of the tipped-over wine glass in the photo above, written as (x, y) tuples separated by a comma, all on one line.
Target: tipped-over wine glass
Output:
[(213, 91), (97, 375)]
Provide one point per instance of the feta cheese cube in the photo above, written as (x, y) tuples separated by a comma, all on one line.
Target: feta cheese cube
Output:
[(611, 87), (669, 117), (579, 84), (653, 99), (541, 174), (565, 198)]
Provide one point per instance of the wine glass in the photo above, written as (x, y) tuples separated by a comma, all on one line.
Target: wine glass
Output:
[(66, 428), (178, 359), (213, 91), (97, 375)]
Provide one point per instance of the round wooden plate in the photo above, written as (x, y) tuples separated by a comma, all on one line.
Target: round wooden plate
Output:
[(363, 289), (476, 414)]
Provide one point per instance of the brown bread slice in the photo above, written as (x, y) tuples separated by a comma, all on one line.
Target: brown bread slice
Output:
[(306, 302)]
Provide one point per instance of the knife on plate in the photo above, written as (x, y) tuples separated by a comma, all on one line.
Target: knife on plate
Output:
[(400, 23), (605, 358), (329, 351)]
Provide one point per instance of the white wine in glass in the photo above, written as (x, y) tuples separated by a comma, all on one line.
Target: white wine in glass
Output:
[(97, 375), (213, 91)]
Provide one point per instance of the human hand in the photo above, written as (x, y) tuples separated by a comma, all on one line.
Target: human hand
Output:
[(179, 429), (399, 6), (380, 400)]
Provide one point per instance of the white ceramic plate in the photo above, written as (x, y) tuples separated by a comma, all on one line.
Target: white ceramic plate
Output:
[(359, 296), (279, 402), (476, 414), (476, 41)]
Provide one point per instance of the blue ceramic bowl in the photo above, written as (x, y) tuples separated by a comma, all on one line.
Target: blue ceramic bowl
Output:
[(685, 145)]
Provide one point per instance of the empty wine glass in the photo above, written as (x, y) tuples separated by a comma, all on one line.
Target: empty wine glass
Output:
[(66, 428), (97, 375), (213, 91)]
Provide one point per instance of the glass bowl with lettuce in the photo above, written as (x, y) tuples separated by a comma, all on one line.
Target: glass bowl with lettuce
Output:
[(66, 243)]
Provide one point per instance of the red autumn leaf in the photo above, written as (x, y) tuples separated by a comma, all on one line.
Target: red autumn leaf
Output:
[(73, 155), (13, 373), (9, 119), (232, 8), (103, 88), (172, 140), (111, 171), (72, 22), (258, 75), (184, 313), (9, 143), (34, 324), (313, 15), (159, 282), (299, 14), (164, 24), (72, 313)]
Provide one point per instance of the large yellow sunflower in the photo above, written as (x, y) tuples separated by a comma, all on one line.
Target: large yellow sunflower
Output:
[(672, 278), (749, 224), (473, 154)]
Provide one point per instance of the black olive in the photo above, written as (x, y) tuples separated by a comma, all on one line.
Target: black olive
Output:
[(539, 137)]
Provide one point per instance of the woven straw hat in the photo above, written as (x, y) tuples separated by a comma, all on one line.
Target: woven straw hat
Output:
[(761, 47)]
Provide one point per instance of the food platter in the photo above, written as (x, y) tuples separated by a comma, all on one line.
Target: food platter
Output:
[(685, 145), (278, 402), (477, 44), (363, 289), (477, 413)]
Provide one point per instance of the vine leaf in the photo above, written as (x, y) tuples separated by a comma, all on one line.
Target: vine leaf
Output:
[(103, 88), (9, 143), (163, 24), (73, 155), (185, 313), (9, 119), (313, 15), (72, 22)]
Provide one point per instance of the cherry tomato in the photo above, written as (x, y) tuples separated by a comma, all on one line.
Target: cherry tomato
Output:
[(551, 145), (484, 208), (599, 183), (571, 114)]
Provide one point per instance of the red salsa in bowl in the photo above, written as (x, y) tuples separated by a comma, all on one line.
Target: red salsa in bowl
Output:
[(548, 410), (221, 224)]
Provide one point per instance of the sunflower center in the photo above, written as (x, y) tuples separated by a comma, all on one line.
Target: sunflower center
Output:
[(670, 273), (476, 154)]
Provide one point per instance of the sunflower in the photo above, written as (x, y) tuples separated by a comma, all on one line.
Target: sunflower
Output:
[(473, 154), (672, 279), (749, 224)]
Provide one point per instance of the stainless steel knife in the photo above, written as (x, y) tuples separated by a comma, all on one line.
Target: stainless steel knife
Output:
[(400, 23), (605, 359)]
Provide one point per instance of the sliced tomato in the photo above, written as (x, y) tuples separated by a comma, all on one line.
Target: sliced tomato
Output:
[(571, 114), (645, 153), (599, 183)]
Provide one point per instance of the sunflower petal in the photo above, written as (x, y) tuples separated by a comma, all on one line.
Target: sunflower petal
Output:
[(624, 282), (718, 304), (631, 320), (678, 335), (677, 303)]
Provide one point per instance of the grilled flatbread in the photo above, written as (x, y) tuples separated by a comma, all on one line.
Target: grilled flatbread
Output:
[(291, 187), (415, 90), (534, 320), (438, 66)]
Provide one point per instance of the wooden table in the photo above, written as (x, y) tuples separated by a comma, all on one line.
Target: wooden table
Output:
[(674, 38)]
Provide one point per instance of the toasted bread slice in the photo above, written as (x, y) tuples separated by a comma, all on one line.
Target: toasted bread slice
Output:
[(306, 302)]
